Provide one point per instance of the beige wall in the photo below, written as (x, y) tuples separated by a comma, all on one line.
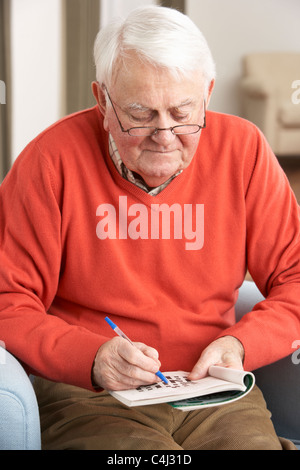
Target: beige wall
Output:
[(236, 27), (232, 27), (36, 59), (110, 8), (36, 27)]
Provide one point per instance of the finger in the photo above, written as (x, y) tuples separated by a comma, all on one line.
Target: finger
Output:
[(116, 380), (231, 361), (134, 373), (214, 358), (200, 369), (137, 357), (209, 357), (119, 365), (227, 350), (112, 372), (148, 351)]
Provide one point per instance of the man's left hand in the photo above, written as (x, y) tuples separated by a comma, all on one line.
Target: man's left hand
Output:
[(225, 352)]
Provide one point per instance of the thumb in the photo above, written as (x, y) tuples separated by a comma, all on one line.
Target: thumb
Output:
[(200, 370)]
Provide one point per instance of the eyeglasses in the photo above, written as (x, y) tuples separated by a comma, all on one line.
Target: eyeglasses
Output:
[(186, 129)]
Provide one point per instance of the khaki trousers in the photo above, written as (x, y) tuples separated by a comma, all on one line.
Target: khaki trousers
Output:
[(74, 418)]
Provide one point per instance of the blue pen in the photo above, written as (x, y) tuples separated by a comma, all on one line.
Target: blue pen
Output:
[(120, 333)]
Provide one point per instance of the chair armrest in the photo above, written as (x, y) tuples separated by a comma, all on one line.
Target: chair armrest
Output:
[(19, 414), (259, 104), (256, 88), (280, 381), (280, 384), (249, 295)]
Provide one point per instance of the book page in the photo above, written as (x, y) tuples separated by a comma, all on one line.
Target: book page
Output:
[(178, 386), (230, 375)]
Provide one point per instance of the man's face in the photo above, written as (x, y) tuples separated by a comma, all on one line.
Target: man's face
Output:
[(145, 96)]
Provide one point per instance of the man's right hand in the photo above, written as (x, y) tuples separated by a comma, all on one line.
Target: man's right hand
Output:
[(120, 366)]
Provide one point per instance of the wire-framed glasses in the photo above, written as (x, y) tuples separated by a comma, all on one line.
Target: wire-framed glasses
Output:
[(145, 131)]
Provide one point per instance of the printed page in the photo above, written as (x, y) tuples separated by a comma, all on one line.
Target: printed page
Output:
[(178, 387)]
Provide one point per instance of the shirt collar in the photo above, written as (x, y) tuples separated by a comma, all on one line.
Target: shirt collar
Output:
[(131, 176)]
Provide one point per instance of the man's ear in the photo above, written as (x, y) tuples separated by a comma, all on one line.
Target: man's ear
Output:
[(210, 90), (99, 95)]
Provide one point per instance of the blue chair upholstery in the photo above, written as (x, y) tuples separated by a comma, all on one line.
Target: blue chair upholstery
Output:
[(19, 416)]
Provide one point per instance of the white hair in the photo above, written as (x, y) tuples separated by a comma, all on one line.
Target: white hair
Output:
[(161, 36)]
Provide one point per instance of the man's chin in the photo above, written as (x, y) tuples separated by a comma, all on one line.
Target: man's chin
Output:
[(155, 180)]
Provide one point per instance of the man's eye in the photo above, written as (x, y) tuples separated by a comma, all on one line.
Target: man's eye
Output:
[(140, 119), (182, 117)]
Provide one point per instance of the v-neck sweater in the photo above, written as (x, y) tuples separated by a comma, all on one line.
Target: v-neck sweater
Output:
[(78, 243)]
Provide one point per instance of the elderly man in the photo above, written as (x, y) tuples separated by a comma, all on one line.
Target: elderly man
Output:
[(149, 209)]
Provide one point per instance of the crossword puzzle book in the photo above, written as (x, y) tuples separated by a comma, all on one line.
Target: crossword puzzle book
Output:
[(221, 386)]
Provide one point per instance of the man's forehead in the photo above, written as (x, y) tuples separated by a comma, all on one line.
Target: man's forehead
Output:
[(141, 86), (137, 106)]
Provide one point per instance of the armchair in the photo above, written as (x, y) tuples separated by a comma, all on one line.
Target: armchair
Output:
[(279, 382), (267, 92), (19, 416)]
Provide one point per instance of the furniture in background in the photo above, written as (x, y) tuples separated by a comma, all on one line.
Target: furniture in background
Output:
[(280, 381), (19, 416), (270, 101)]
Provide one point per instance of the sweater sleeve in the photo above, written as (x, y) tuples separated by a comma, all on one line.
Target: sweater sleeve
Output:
[(30, 260), (273, 258)]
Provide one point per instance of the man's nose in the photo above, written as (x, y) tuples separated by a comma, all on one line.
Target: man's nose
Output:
[(164, 136)]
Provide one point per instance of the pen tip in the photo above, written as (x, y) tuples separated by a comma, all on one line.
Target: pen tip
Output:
[(162, 377)]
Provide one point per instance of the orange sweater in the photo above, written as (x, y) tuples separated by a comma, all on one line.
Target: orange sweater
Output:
[(78, 242)]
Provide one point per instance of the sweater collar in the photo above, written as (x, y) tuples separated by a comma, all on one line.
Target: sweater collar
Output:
[(132, 176)]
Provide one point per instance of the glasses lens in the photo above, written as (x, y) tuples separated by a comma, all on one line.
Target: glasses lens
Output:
[(142, 131), (178, 130), (189, 129)]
